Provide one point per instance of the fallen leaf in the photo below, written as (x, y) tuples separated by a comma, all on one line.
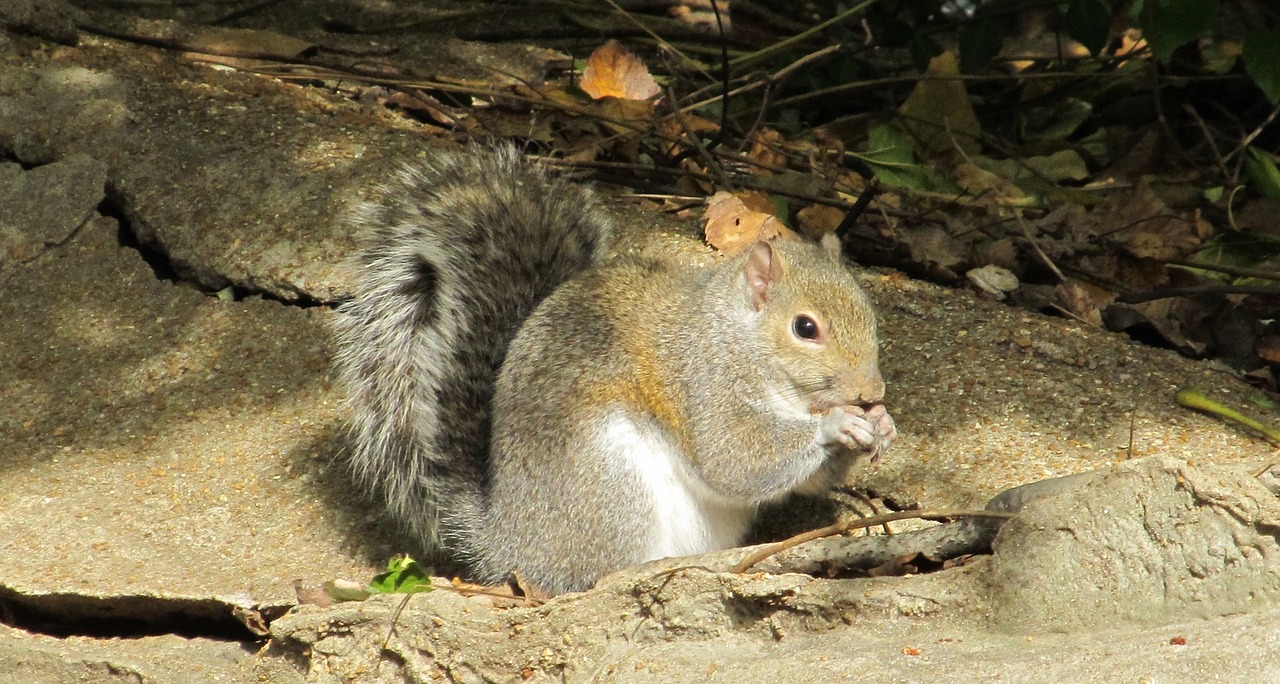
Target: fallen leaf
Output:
[(766, 146), (251, 619), (701, 15), (988, 189), (316, 596), (896, 567), (994, 281), (335, 590), (1162, 318), (1079, 300), (731, 227), (1149, 229), (246, 43), (612, 71), (817, 220), (938, 112), (935, 250)]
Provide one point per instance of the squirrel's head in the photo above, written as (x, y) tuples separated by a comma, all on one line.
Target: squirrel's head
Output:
[(818, 325)]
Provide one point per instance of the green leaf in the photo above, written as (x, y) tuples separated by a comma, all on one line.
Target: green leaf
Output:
[(1059, 166), (1058, 121), (1262, 172), (891, 154), (1170, 24), (980, 40), (403, 576), (1089, 22), (1262, 61)]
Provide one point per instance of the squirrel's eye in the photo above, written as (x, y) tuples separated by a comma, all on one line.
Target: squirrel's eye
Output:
[(805, 327)]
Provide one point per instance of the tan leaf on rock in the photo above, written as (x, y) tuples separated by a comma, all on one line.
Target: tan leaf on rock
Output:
[(731, 227)]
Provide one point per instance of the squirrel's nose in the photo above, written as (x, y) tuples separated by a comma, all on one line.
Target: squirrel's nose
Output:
[(864, 385)]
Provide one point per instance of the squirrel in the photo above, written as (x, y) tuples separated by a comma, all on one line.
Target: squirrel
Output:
[(523, 403)]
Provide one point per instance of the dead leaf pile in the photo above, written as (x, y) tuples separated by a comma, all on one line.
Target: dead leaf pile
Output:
[(1037, 177)]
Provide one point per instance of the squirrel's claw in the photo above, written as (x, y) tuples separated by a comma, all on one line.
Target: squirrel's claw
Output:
[(870, 430)]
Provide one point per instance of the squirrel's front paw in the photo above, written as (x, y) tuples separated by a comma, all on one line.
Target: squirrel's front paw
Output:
[(860, 430)]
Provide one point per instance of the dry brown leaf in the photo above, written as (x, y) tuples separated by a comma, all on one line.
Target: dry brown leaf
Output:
[(1168, 317), (731, 227), (896, 567), (1269, 348), (938, 111), (315, 596), (817, 220), (756, 200), (630, 113), (612, 71), (501, 596), (701, 15), (935, 249), (765, 146), (246, 43), (678, 131), (988, 189), (1084, 301), (252, 619), (1151, 229)]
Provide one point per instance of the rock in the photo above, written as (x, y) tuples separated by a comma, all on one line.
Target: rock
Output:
[(1149, 542), (46, 205)]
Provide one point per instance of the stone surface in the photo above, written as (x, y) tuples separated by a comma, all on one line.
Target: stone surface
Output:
[(46, 205), (159, 441), (1147, 543), (36, 659)]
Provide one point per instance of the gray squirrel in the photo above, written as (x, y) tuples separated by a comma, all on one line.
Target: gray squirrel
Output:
[(522, 403)]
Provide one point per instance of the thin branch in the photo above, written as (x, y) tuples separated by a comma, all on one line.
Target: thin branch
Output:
[(1166, 293), (844, 527), (1239, 271)]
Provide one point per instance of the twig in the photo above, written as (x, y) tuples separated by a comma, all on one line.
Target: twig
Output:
[(843, 527), (395, 618), (871, 504), (724, 83), (1043, 257), (1228, 269), (1165, 293), (1195, 399), (859, 206), (1248, 139), (802, 36), (1208, 137), (915, 78), (661, 41), (696, 143), (766, 80)]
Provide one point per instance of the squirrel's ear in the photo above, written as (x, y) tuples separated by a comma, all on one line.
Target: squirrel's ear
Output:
[(763, 269)]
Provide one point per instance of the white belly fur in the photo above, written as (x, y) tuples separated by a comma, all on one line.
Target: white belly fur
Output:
[(687, 518)]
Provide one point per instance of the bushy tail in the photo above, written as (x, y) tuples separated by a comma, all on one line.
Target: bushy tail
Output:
[(458, 252)]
